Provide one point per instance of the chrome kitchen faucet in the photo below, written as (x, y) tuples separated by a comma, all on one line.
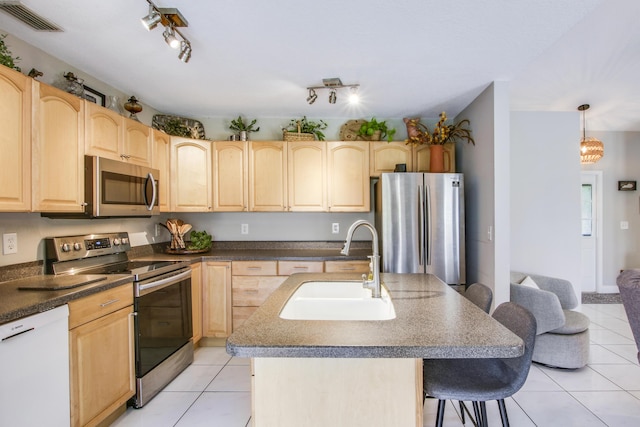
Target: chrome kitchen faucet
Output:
[(374, 266)]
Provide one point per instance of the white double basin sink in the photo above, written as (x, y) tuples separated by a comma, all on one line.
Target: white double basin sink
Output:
[(339, 300)]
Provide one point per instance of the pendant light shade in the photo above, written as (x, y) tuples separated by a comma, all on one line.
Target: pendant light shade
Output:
[(591, 149)]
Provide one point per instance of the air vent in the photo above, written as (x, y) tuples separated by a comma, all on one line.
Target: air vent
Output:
[(27, 16)]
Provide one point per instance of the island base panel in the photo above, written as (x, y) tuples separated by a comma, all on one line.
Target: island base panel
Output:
[(320, 392)]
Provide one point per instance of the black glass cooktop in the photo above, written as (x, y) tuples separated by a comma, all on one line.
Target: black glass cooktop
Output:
[(140, 269)]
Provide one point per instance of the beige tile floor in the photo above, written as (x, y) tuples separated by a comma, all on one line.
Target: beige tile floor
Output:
[(215, 389)]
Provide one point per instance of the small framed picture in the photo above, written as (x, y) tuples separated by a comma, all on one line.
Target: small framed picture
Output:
[(94, 96), (626, 185)]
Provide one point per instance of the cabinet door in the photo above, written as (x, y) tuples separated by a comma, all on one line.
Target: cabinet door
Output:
[(190, 175), (348, 176), (196, 301), (15, 141), (267, 176), (385, 156), (161, 161), (136, 146), (307, 176), (104, 131), (102, 367), (58, 151), (230, 176), (422, 157), (216, 299)]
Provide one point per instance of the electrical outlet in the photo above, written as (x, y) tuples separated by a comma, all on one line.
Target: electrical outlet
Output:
[(157, 230), (9, 243), (244, 228), (335, 228)]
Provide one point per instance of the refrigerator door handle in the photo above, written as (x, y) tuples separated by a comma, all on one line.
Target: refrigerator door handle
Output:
[(421, 225), (429, 230)]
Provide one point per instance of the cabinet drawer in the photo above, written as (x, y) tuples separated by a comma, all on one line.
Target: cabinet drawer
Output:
[(254, 268), (240, 314), (85, 309), (253, 290), (286, 268), (346, 266)]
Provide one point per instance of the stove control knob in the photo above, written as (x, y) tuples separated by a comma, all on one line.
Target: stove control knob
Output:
[(66, 247), (125, 240), (116, 242), (77, 246)]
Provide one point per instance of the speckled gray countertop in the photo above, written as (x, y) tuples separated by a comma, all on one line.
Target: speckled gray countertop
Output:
[(16, 303), (432, 321)]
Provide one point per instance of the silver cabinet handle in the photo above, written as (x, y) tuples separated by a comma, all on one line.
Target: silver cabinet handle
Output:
[(104, 304)]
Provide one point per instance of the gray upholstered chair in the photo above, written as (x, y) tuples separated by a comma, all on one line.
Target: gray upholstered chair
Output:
[(480, 380), (629, 284), (481, 295), (563, 334)]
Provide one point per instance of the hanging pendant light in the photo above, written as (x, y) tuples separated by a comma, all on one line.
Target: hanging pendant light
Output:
[(591, 149)]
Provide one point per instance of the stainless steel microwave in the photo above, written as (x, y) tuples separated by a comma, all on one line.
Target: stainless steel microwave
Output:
[(117, 189)]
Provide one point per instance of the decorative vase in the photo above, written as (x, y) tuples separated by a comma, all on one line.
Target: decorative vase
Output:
[(436, 158), (133, 107), (74, 85), (114, 104), (244, 135)]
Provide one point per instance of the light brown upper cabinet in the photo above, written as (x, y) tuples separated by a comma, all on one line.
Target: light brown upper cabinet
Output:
[(161, 160), (15, 141), (307, 173), (57, 150), (230, 180), (348, 176), (110, 135), (385, 155), (267, 176), (191, 175)]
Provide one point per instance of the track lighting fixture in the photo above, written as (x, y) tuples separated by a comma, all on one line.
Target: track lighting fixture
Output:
[(333, 84), (170, 18), (312, 96)]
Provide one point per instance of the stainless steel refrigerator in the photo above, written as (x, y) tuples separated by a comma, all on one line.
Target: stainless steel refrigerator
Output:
[(421, 223)]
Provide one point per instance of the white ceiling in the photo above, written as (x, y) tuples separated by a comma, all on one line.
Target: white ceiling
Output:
[(411, 57)]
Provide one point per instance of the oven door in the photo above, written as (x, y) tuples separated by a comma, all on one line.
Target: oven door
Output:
[(163, 318)]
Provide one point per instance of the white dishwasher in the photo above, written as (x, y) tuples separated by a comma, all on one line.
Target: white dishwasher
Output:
[(34, 370)]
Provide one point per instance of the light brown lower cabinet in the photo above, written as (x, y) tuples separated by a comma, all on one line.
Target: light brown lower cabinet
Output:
[(101, 352), (216, 299), (253, 281)]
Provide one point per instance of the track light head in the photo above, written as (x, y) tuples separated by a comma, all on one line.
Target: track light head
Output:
[(185, 52), (312, 96), (152, 19), (170, 37), (332, 97)]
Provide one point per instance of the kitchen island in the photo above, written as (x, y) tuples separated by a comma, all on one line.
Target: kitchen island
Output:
[(351, 373)]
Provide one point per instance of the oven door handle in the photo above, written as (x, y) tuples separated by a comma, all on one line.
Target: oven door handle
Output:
[(142, 289)]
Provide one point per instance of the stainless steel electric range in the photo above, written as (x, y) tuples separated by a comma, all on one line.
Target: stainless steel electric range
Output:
[(162, 303)]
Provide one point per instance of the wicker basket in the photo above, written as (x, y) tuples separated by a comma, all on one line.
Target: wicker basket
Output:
[(298, 136)]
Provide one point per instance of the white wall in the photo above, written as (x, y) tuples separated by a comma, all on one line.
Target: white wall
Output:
[(621, 248), (545, 194), (486, 169)]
